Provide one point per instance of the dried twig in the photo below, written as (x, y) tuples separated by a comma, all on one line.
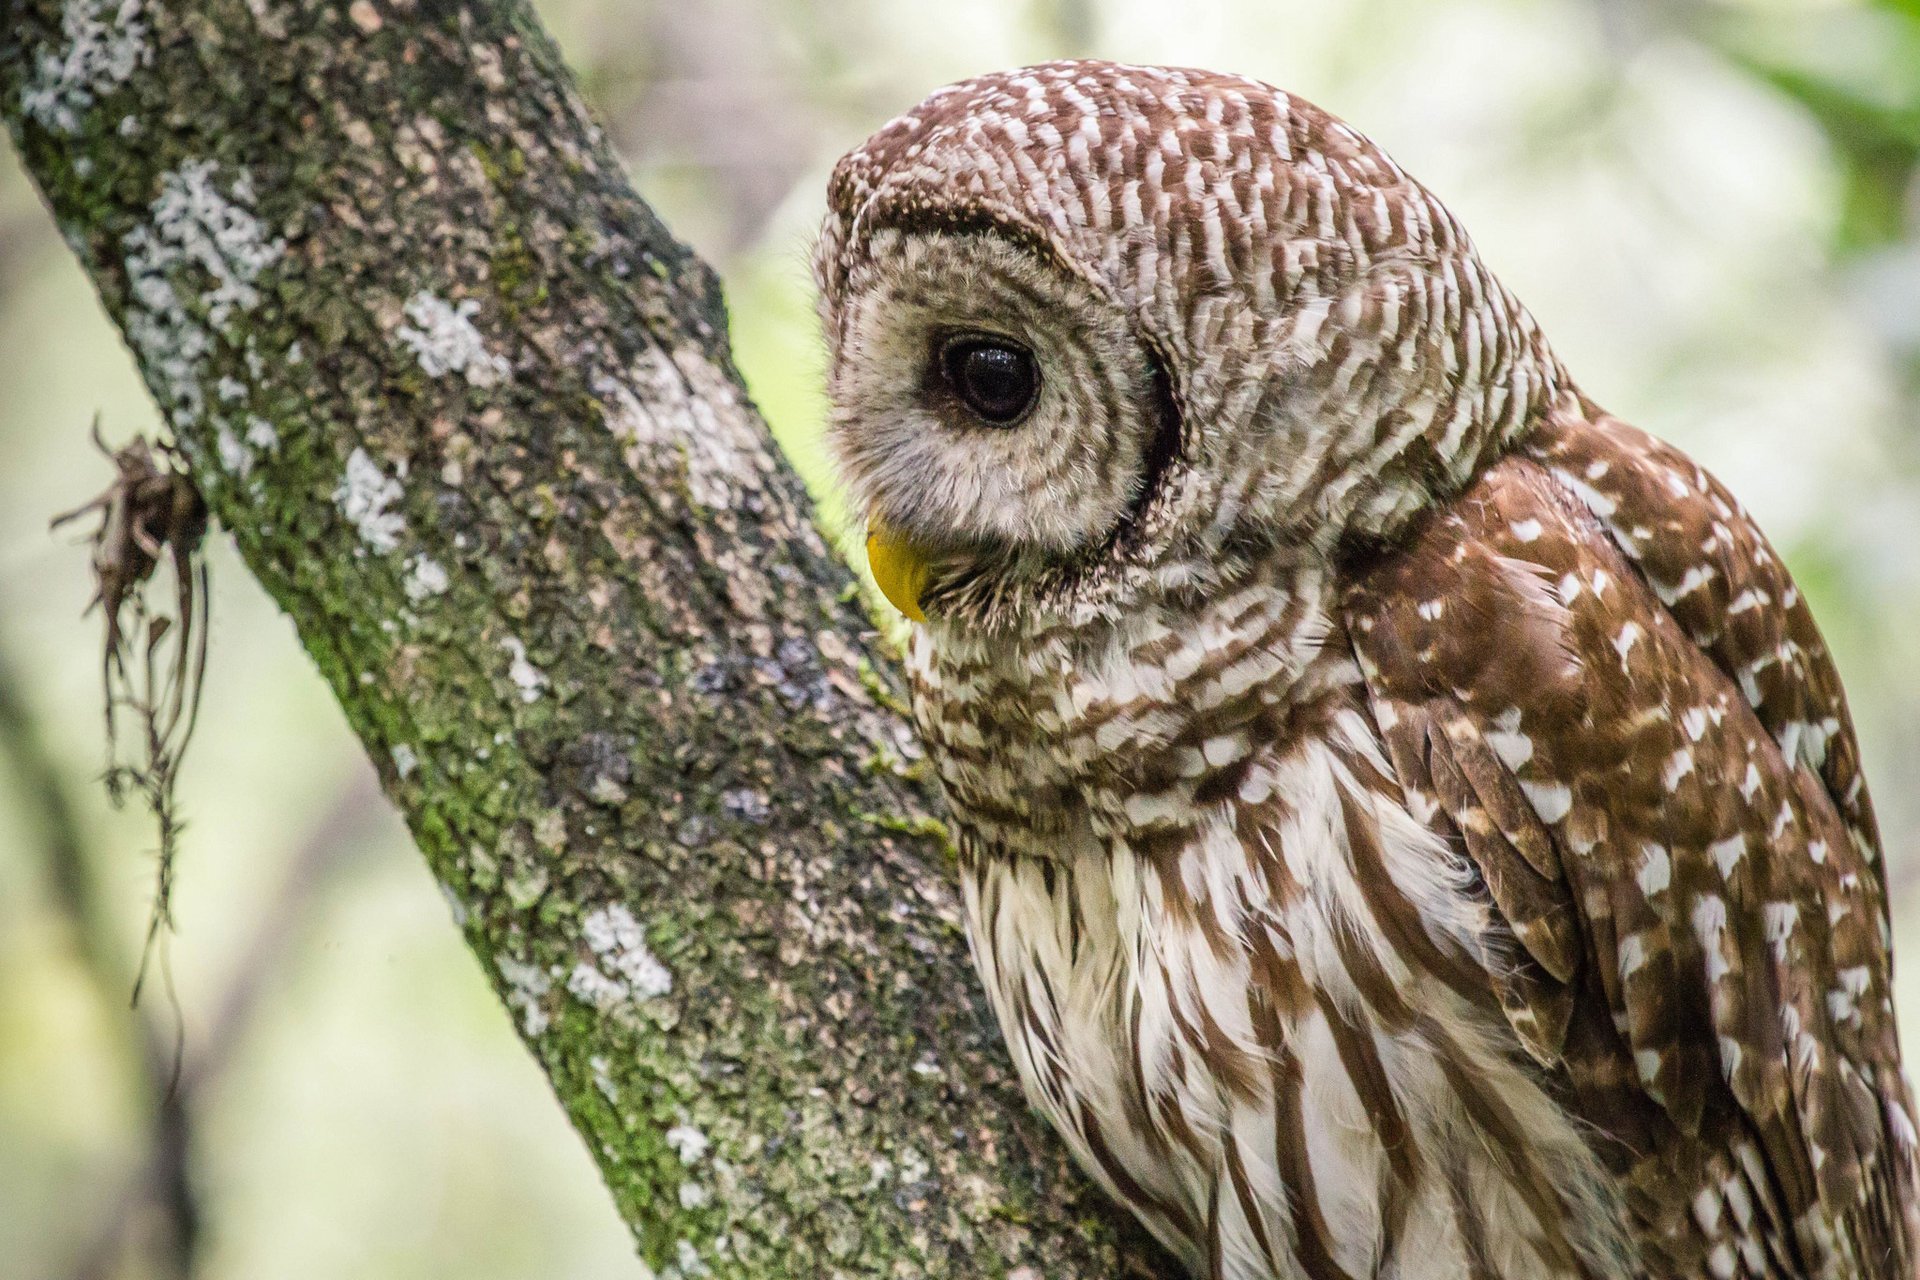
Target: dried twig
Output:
[(153, 662)]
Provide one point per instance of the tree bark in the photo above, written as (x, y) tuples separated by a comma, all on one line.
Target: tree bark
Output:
[(468, 411)]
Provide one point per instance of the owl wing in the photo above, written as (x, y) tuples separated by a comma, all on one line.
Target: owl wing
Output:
[(1592, 673)]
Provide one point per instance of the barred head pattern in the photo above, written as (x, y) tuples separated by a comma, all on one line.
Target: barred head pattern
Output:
[(1255, 327)]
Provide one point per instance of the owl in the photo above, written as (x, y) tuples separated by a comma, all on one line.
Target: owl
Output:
[(1409, 823)]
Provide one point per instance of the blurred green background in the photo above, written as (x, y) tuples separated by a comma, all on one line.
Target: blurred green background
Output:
[(1712, 209)]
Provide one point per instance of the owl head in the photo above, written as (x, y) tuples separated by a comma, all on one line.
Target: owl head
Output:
[(1098, 331)]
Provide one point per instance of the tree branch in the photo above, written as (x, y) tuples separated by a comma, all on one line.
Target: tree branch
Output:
[(467, 410)]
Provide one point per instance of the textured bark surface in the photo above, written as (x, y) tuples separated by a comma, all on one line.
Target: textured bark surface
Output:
[(467, 410)]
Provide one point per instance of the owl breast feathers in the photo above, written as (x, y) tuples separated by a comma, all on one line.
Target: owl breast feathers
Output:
[(1410, 824)]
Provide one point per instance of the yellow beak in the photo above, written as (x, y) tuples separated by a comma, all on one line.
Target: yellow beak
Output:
[(899, 567)]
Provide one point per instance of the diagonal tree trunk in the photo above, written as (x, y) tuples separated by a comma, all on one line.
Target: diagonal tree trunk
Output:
[(467, 410)]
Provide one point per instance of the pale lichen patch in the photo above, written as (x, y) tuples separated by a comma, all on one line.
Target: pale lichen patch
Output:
[(240, 450), (235, 458), (455, 907), (688, 1143), (603, 1077), (687, 1263), (364, 497), (590, 986), (106, 42), (527, 987), (445, 340), (662, 408), (194, 235), (529, 679), (613, 935), (425, 577)]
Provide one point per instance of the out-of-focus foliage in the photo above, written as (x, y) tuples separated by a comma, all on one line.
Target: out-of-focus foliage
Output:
[(1712, 208)]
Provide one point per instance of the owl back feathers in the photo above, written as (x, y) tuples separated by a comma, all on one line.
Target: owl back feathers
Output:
[(1692, 883)]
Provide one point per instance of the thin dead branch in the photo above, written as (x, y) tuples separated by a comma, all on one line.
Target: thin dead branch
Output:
[(154, 659)]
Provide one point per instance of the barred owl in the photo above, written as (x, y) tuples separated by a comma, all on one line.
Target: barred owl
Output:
[(1410, 825)]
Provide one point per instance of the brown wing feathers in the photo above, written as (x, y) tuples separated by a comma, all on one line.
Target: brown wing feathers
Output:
[(1658, 782)]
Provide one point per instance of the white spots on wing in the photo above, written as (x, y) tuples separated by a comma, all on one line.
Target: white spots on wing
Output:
[(1901, 1123), (1843, 1001), (1782, 918), (1525, 530), (1709, 922), (1432, 609), (445, 340), (1633, 954), (1805, 1049), (1751, 598), (1647, 1063), (1678, 766), (1569, 587), (1817, 852), (1551, 800), (1706, 1211), (106, 42), (1694, 721), (1750, 784), (1807, 742), (365, 496), (1696, 577), (1726, 854), (1656, 869), (1514, 749), (1598, 503), (1623, 642), (1512, 746)]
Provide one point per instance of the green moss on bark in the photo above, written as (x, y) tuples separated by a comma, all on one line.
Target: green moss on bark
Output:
[(467, 410)]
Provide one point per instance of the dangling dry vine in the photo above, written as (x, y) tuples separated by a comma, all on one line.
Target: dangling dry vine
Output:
[(154, 658)]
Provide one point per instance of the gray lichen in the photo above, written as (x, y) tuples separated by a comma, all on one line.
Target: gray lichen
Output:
[(467, 410)]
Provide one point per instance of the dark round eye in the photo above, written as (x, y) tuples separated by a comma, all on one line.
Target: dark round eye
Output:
[(994, 377)]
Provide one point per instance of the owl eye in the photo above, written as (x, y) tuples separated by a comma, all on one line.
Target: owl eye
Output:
[(994, 377)]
